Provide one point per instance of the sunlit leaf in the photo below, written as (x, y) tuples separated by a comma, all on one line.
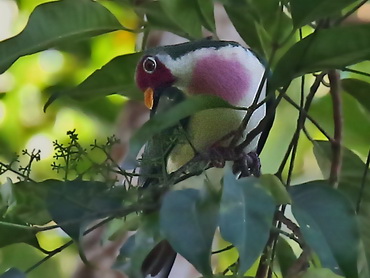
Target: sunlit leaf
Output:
[(184, 13), (273, 185), (50, 26), (328, 224), (356, 122), (188, 220), (359, 89), (321, 51), (350, 181), (246, 215), (116, 77), (285, 256), (13, 273), (304, 12)]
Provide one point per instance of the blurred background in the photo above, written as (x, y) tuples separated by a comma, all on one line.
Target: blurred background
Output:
[(27, 85)]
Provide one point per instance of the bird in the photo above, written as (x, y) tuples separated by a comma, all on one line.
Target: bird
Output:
[(168, 75)]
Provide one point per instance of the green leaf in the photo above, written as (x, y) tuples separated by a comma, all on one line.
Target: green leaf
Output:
[(74, 204), (246, 216), (356, 122), (285, 256), (188, 220), (13, 273), (185, 14), (321, 51), (319, 273), (116, 77), (55, 23), (30, 202), (206, 8), (304, 12), (245, 23), (138, 246), (13, 231), (359, 89), (328, 224), (260, 23), (158, 19), (171, 117), (273, 185), (349, 184)]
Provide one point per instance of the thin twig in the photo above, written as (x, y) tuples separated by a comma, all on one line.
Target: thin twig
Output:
[(363, 182), (356, 71), (312, 120), (336, 163), (223, 249), (315, 86)]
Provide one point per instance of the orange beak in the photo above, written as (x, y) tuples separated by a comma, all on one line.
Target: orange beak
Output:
[(149, 97)]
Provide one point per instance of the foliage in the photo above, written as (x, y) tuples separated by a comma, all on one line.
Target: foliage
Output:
[(329, 219)]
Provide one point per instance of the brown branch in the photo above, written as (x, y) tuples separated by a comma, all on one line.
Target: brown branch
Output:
[(336, 163)]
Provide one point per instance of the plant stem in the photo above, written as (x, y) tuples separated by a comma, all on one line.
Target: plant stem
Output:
[(336, 163)]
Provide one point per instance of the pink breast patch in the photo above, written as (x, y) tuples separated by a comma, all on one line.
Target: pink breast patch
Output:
[(220, 76)]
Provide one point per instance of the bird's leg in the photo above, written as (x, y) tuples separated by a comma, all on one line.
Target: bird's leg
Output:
[(246, 164), (249, 164)]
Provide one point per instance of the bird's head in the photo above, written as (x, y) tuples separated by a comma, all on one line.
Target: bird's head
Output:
[(221, 68), (152, 75)]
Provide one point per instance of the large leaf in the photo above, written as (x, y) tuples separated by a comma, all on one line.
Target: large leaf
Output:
[(188, 220), (116, 77), (184, 14), (273, 185), (350, 183), (321, 51), (246, 215), (328, 224), (158, 19), (74, 204), (206, 8), (359, 89), (171, 117), (356, 122), (55, 23), (304, 12), (319, 273), (30, 202), (15, 232), (259, 23), (13, 273), (245, 23), (138, 246), (285, 256)]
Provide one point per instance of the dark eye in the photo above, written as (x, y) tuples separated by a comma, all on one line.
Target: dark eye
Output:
[(149, 65)]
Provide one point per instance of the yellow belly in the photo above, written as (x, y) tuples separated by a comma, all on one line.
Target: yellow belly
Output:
[(204, 129)]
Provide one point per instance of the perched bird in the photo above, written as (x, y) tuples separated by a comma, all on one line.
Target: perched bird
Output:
[(168, 75)]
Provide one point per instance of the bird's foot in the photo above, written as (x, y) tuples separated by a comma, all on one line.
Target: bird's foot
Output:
[(218, 155), (248, 165), (245, 164)]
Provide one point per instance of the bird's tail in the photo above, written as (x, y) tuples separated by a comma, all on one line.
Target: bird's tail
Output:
[(159, 261)]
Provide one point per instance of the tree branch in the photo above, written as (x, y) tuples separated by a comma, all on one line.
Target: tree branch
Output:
[(336, 163)]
